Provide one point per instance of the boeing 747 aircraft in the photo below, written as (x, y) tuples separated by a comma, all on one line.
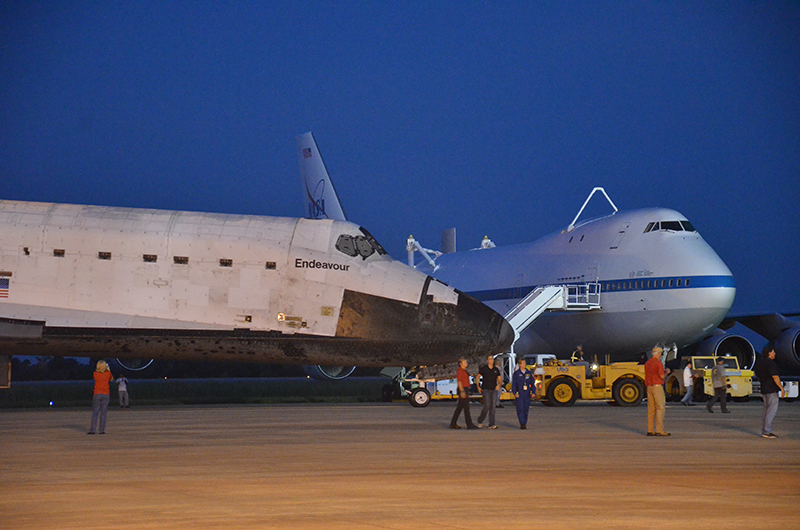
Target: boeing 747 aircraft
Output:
[(655, 279), (138, 284), (658, 281)]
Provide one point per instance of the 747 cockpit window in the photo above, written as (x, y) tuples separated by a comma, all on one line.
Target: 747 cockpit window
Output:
[(673, 226), (364, 246)]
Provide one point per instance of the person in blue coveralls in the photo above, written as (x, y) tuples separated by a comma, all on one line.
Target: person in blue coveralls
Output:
[(522, 386)]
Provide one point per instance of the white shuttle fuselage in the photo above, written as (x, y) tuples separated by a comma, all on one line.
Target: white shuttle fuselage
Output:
[(135, 283)]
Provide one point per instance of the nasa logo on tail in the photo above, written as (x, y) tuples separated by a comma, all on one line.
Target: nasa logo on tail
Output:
[(320, 195), (316, 201)]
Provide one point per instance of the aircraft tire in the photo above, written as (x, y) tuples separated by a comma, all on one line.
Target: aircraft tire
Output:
[(419, 397), (628, 392), (562, 393)]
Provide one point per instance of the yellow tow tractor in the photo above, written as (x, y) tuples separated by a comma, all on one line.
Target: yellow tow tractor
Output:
[(740, 382), (560, 383)]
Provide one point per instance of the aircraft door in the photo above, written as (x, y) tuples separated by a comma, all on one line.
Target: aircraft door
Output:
[(620, 235)]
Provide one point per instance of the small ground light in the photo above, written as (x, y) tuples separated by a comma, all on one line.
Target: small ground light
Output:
[(51, 403)]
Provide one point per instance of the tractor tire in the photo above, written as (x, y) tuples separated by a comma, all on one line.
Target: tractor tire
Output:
[(562, 393), (628, 392)]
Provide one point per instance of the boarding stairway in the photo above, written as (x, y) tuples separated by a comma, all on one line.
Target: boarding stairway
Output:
[(571, 297)]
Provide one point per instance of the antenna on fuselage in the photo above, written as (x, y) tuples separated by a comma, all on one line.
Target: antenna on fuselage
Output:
[(571, 226)]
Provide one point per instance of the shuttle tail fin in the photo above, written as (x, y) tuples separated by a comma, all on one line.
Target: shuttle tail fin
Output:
[(319, 195)]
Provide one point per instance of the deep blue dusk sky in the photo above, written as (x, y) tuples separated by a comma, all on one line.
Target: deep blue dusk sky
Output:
[(497, 118)]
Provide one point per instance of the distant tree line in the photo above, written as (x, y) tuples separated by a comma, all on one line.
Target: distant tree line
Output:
[(49, 369)]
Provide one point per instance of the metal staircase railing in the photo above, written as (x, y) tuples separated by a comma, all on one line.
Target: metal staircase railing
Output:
[(583, 296), (571, 297)]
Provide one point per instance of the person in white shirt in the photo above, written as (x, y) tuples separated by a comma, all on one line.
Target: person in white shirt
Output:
[(688, 382), (123, 392)]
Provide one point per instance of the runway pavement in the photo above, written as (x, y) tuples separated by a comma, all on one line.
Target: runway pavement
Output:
[(391, 466)]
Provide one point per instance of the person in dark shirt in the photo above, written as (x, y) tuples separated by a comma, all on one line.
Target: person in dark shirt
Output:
[(490, 386), (578, 358), (767, 372)]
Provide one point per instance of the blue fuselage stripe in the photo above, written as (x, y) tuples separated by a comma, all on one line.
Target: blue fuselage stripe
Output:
[(614, 286)]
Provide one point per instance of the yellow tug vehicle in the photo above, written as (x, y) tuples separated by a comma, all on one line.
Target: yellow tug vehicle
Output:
[(739, 381), (560, 383)]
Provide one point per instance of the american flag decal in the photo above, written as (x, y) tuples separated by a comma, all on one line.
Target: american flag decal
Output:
[(3, 287), (306, 152)]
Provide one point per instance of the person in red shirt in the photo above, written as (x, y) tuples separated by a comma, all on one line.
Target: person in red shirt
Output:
[(463, 397), (654, 381), (102, 395)]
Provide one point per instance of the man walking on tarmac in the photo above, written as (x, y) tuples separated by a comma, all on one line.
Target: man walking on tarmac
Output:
[(490, 386), (719, 382), (656, 401), (522, 386), (688, 383), (463, 397)]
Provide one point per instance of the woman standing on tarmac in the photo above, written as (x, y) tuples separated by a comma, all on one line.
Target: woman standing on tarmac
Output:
[(102, 395)]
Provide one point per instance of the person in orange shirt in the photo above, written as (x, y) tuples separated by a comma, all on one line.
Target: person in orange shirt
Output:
[(462, 379), (102, 395), (656, 400)]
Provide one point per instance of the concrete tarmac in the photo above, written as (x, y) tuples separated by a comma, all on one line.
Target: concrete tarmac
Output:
[(391, 466)]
